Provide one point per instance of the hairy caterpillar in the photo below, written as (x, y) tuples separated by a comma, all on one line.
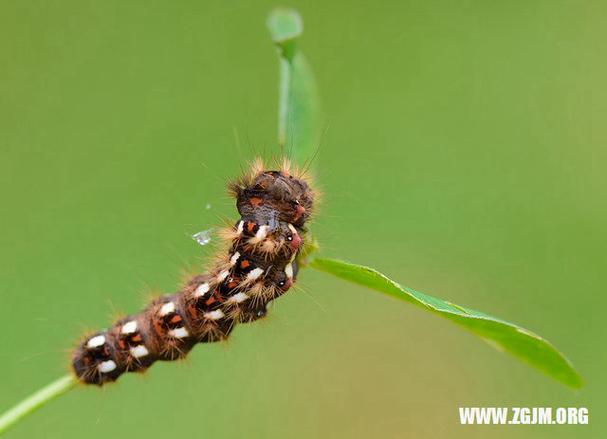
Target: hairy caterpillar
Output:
[(259, 267)]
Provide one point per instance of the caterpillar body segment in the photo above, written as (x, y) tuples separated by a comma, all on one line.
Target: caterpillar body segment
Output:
[(259, 267)]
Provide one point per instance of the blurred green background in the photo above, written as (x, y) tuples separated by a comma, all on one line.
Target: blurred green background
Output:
[(463, 154)]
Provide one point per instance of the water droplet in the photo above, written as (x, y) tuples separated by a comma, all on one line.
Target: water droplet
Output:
[(203, 237)]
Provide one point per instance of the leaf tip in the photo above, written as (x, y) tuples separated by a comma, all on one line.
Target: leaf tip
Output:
[(285, 25), (573, 379)]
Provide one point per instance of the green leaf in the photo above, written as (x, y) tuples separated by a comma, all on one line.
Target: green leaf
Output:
[(298, 101), (518, 341)]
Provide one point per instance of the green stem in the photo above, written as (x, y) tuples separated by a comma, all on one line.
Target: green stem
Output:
[(35, 401)]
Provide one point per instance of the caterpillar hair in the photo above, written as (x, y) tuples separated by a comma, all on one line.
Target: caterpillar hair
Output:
[(260, 266)]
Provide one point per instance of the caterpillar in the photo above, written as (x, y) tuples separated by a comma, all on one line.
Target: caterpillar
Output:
[(259, 266)]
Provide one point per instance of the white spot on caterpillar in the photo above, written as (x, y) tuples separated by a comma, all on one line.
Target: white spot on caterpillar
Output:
[(106, 366), (292, 229), (139, 351), (201, 290), (234, 258), (262, 232), (222, 276), (95, 342), (129, 327), (214, 315), (289, 271), (240, 227), (167, 308), (238, 298), (254, 274), (179, 332)]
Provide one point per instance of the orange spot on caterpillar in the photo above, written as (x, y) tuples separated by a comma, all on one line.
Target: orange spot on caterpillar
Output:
[(215, 297)]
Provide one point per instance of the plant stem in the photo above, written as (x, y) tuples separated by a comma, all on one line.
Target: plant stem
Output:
[(35, 401)]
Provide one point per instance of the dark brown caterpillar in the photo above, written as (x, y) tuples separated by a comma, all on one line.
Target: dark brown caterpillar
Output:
[(259, 267)]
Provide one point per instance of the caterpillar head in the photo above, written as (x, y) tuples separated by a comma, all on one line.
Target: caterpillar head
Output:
[(276, 195)]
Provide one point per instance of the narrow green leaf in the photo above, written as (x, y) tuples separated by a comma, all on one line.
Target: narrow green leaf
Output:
[(298, 101), (518, 341)]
